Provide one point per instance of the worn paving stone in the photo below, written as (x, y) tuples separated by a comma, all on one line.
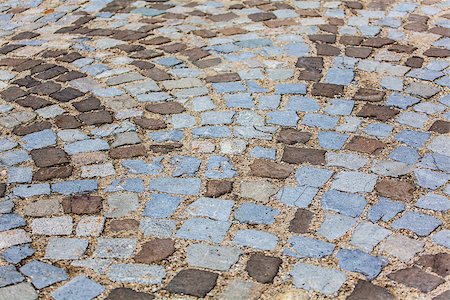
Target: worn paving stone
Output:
[(193, 282), (140, 138)]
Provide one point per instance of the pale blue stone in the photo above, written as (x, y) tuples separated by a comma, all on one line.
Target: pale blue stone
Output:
[(138, 166), (404, 154), (339, 76), (216, 209), (335, 226), (379, 130), (434, 202), (148, 12), (401, 101), (115, 247), (183, 121), (369, 30), (185, 165), (251, 213), (251, 74), (415, 139), (20, 174), (153, 97), (239, 100), (168, 61), (280, 74), (254, 87), (296, 49), (435, 161), (256, 239), (80, 288), (161, 228), (203, 230), (182, 186), (300, 247), (261, 152), (75, 186), (86, 146), (320, 121), (211, 132), (340, 107), (43, 274), (367, 235), (332, 140), (419, 223), (431, 179), (228, 87), (255, 43), (392, 83), (7, 144), (429, 108), (217, 117), (39, 139), (107, 92), (438, 65), (94, 69), (282, 118), (290, 88), (345, 203), (311, 176), (385, 210), (6, 206), (442, 238), (30, 190), (191, 92), (161, 206), (11, 221), (302, 103), (136, 273), (9, 275), (358, 261), (212, 257), (166, 136), (412, 119), (425, 74), (16, 254), (201, 104), (219, 167), (300, 196), (315, 278), (14, 157), (127, 184)]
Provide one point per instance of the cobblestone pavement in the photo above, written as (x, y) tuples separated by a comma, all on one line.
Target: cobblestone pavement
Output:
[(224, 149)]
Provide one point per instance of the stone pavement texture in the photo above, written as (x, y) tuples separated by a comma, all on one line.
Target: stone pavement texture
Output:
[(260, 149)]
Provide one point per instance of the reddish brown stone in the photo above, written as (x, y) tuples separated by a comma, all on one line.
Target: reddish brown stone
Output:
[(143, 65), (150, 123), (26, 81), (81, 205), (149, 53), (280, 23), (67, 122), (369, 95), (295, 155), (438, 263), (259, 17), (379, 112), (301, 221), (440, 126), (34, 127), (223, 17), (310, 63), (13, 93), (156, 74), (195, 54), (72, 75), (414, 62), (66, 94), (128, 151), (46, 88), (263, 268), (327, 89), (395, 189), (226, 77), (33, 102), (351, 40), (155, 251), (165, 108), (96, 117), (70, 57), (377, 42), (329, 28), (128, 294), (270, 169), (440, 30), (364, 290), (437, 52), (353, 4), (172, 48), (49, 157), (416, 26), (358, 52), (217, 188), (416, 278), (88, 104), (44, 174), (313, 75), (159, 40), (124, 225), (206, 63), (364, 145), (165, 148), (292, 136), (193, 282), (204, 33), (51, 73), (443, 296), (2, 189), (232, 31), (323, 38), (402, 49), (327, 50)]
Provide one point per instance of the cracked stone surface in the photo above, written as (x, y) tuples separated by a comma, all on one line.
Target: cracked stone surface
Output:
[(258, 149)]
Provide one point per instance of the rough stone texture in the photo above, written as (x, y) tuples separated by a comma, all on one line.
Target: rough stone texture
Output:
[(155, 251), (416, 278), (263, 268), (193, 282)]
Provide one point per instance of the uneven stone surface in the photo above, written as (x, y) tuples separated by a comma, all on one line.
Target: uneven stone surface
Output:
[(224, 149)]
